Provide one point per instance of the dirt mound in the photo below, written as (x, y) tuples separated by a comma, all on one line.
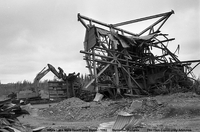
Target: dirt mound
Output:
[(74, 109), (70, 102)]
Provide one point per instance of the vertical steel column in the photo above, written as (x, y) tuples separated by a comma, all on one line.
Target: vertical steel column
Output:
[(117, 79), (95, 71)]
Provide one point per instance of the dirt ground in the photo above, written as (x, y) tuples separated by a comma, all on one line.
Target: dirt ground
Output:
[(176, 112)]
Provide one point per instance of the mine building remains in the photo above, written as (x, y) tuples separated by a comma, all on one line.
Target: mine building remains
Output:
[(124, 63)]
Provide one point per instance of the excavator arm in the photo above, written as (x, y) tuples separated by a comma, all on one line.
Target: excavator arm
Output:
[(44, 71), (39, 76), (60, 74)]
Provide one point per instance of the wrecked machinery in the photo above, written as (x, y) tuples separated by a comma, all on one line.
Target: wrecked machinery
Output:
[(134, 63)]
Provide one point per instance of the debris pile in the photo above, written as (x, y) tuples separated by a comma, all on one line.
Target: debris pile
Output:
[(159, 107), (150, 108), (8, 117), (74, 109), (149, 112), (86, 95)]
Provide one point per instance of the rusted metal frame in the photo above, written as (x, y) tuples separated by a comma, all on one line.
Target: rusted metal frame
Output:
[(104, 24), (154, 24), (156, 46), (85, 52), (129, 78), (191, 61), (95, 71), (88, 63), (161, 60), (100, 52), (151, 30), (103, 52), (85, 43), (115, 57), (84, 24), (92, 20), (99, 74), (168, 51), (163, 23), (108, 64), (177, 49), (167, 81), (105, 48), (161, 56), (143, 76), (102, 43), (117, 78), (180, 72), (143, 19), (108, 57), (124, 75), (188, 68), (134, 81), (193, 68), (110, 50), (167, 40), (171, 64), (130, 75), (151, 60), (128, 56), (148, 56), (108, 42), (166, 60)]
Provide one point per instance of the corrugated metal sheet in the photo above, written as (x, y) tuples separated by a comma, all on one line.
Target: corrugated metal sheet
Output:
[(121, 122)]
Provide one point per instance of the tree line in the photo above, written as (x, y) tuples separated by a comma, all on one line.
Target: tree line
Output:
[(8, 88)]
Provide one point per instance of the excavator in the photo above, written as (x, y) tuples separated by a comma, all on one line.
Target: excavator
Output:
[(35, 94)]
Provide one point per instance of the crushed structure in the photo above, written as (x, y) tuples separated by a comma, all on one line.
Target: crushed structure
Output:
[(123, 62)]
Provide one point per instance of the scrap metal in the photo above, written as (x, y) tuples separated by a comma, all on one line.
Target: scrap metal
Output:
[(133, 63)]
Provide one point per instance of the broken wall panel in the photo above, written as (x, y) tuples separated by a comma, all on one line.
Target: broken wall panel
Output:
[(124, 62)]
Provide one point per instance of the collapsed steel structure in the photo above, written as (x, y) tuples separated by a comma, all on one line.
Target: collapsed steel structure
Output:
[(121, 60)]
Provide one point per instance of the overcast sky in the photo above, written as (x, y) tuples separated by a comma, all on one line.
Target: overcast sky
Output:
[(36, 32)]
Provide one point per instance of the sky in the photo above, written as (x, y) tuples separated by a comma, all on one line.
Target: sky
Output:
[(34, 33)]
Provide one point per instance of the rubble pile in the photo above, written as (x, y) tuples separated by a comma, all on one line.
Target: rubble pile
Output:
[(8, 117), (175, 105), (86, 95), (74, 109), (151, 108), (159, 113)]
